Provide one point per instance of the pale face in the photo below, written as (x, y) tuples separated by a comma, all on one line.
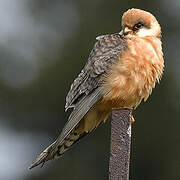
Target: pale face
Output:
[(139, 23)]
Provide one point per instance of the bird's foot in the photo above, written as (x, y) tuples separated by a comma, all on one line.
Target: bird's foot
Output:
[(132, 120)]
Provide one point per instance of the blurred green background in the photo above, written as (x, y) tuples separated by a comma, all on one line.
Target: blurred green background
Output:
[(43, 46)]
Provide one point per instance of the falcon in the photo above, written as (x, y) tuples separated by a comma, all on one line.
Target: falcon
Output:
[(121, 71)]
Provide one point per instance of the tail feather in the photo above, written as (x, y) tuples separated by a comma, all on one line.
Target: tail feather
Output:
[(90, 121), (59, 150), (80, 110)]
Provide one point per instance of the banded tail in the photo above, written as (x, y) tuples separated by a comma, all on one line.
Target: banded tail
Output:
[(84, 118)]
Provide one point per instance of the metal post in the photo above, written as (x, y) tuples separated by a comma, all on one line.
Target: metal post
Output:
[(120, 144)]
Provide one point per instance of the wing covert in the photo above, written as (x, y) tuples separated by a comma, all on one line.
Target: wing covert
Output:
[(106, 51)]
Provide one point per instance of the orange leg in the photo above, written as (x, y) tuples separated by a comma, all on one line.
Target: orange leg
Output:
[(132, 120)]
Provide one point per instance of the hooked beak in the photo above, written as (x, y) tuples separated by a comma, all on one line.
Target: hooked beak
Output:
[(125, 31)]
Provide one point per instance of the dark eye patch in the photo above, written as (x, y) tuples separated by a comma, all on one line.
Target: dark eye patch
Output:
[(137, 26)]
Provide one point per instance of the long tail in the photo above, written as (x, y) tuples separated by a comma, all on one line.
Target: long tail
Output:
[(85, 117), (85, 126)]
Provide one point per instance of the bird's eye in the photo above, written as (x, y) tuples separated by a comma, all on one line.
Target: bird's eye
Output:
[(137, 26)]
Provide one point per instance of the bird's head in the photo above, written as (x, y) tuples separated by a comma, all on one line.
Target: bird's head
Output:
[(136, 22)]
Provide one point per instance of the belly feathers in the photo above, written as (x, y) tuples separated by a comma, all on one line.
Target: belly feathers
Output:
[(132, 78)]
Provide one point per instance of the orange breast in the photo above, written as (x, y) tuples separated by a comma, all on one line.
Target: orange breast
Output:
[(134, 75)]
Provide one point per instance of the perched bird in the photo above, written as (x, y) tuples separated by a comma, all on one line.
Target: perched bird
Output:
[(121, 71)]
